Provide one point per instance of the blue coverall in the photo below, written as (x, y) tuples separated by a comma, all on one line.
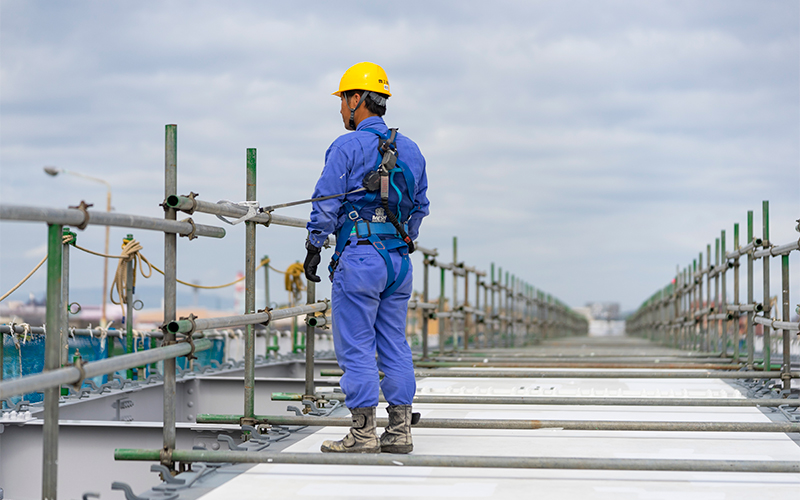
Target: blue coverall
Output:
[(363, 323)]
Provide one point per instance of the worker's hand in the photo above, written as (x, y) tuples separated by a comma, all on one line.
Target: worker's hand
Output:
[(311, 262)]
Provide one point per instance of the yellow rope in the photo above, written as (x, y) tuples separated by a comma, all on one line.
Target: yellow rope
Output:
[(293, 277), (132, 250), (130, 253), (66, 239)]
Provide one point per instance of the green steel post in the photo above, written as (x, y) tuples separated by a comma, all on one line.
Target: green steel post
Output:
[(170, 284), (425, 297), (453, 323), (767, 299), (736, 334), (52, 361), (750, 295), (493, 309), (441, 321), (64, 320), (723, 300), (250, 291), (785, 316)]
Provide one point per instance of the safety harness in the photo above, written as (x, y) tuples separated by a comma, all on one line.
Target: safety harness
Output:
[(394, 233)]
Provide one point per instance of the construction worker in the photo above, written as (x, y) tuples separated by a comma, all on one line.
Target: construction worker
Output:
[(370, 269)]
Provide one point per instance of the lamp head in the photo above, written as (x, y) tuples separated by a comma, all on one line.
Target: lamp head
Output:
[(52, 171)]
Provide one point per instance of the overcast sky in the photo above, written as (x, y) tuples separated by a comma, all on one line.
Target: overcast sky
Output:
[(589, 147)]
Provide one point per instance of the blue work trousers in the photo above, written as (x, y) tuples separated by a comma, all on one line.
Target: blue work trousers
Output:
[(364, 324)]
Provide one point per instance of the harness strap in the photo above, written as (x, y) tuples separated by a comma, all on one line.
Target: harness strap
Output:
[(354, 223)]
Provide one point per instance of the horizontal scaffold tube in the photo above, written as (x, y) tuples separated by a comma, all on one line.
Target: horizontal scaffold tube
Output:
[(602, 401), (561, 364), (584, 374), (562, 400), (777, 250), (231, 210), (72, 374), (777, 325), (516, 424), (391, 460), (75, 217), (187, 325)]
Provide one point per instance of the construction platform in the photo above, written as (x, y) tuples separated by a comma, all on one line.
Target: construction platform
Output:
[(552, 454)]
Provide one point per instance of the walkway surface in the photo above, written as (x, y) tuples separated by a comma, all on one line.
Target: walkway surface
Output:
[(332, 481)]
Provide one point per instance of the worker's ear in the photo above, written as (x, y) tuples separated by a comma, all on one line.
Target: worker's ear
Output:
[(354, 100)]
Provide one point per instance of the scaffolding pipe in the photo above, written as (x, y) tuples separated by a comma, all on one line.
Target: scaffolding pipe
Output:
[(91, 332), (688, 374), (585, 364), (387, 459), (226, 209), (52, 363), (604, 401), (186, 325), (76, 217), (170, 289), (55, 378), (250, 288), (777, 250), (519, 424), (778, 325), (311, 297)]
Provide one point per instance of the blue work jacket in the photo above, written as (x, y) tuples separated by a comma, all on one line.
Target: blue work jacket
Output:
[(347, 160)]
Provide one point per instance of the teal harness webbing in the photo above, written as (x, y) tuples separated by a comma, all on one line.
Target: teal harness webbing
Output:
[(372, 231)]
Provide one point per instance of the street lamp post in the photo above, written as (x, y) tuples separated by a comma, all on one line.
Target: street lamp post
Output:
[(54, 171)]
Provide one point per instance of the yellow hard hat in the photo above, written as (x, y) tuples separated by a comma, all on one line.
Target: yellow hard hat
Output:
[(364, 76)]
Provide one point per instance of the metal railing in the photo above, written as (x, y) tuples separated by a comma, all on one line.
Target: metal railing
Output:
[(695, 311), (516, 312)]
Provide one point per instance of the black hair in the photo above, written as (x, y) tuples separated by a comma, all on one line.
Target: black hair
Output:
[(372, 106)]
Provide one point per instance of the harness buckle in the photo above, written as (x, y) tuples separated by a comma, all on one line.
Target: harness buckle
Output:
[(379, 245), (369, 229), (353, 215)]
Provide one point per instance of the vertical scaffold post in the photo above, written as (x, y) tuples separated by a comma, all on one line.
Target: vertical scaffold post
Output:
[(487, 315), (750, 294), (703, 328), (735, 317), (132, 372), (717, 333), (453, 322), (271, 340), (507, 307), (467, 323), (767, 300), (170, 283), (441, 321), (723, 300), (64, 320), (425, 296), (250, 291), (311, 297), (786, 367), (477, 308), (52, 361), (493, 313)]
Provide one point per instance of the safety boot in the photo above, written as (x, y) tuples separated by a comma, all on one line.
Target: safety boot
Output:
[(362, 437), (396, 437)]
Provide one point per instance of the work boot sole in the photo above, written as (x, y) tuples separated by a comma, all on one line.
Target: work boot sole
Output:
[(326, 449), (397, 448)]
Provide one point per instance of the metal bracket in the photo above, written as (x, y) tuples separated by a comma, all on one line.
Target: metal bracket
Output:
[(83, 208), (267, 310), (191, 234)]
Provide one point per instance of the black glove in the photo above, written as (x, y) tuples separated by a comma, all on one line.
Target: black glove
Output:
[(311, 262)]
